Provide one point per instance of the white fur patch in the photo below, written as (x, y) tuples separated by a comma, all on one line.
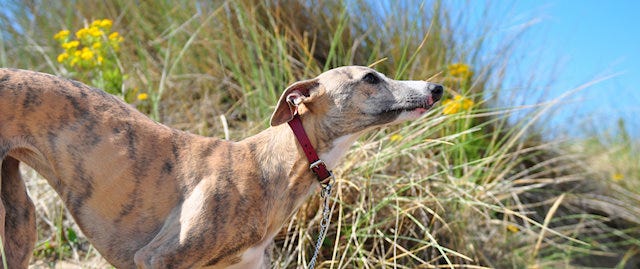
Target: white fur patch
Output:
[(191, 208), (415, 84), (340, 147)]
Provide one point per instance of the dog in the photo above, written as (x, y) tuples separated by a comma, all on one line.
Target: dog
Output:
[(149, 196)]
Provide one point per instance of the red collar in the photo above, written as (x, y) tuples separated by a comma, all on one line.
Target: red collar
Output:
[(316, 165)]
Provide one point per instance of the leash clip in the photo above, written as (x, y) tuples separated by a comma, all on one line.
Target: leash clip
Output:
[(326, 189)]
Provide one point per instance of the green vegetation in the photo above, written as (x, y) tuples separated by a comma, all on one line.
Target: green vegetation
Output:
[(464, 187)]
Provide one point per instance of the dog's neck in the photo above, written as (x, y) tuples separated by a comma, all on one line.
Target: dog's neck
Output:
[(284, 165), (281, 149)]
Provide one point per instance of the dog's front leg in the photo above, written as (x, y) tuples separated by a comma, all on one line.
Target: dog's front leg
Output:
[(189, 236), (210, 229)]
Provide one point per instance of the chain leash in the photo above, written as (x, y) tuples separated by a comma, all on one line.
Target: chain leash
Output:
[(324, 223)]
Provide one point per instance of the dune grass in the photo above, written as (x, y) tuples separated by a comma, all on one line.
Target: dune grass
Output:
[(466, 186)]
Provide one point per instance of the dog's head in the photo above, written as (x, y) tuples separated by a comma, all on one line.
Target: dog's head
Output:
[(351, 99)]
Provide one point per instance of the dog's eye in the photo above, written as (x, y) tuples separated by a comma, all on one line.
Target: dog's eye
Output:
[(371, 78)]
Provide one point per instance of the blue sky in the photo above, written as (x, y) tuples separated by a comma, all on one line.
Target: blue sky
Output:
[(570, 43)]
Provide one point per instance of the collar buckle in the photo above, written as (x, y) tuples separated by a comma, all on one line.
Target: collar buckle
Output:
[(317, 163)]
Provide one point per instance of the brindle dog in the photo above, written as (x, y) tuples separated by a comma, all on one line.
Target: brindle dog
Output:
[(149, 196)]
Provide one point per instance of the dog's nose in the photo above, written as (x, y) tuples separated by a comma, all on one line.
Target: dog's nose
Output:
[(436, 91)]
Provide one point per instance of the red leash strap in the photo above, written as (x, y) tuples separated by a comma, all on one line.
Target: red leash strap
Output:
[(316, 165)]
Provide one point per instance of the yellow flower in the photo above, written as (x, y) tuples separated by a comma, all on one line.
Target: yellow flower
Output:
[(106, 23), (63, 56), (466, 103), (89, 49), (62, 35), (513, 228), (395, 137), (70, 44), (114, 36), (456, 105), (95, 31), (450, 107), (617, 177), (143, 96), (82, 33), (459, 70), (114, 40), (86, 54)]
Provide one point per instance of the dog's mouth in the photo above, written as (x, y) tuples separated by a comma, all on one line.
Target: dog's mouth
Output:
[(411, 109), (419, 107), (429, 103)]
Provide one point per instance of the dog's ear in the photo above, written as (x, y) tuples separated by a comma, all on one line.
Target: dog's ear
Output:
[(292, 96)]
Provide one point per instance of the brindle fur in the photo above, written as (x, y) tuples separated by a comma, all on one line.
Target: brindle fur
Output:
[(148, 196)]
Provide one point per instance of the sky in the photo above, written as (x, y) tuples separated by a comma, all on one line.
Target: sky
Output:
[(567, 44)]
